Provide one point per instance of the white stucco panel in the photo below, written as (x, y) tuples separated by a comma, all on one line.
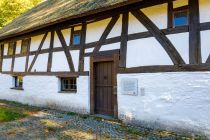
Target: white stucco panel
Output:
[(35, 42), (59, 62), (18, 47), (179, 3), (57, 42), (6, 49), (20, 63), (75, 58), (181, 43), (135, 26), (95, 30), (204, 6), (146, 52), (41, 63), (7, 63), (171, 99), (46, 44), (87, 64), (89, 50), (112, 46), (117, 29), (158, 14), (205, 45), (66, 33)]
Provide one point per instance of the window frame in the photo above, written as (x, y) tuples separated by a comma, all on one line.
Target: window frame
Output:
[(73, 33), (11, 45), (16, 85), (180, 11), (27, 46), (68, 90)]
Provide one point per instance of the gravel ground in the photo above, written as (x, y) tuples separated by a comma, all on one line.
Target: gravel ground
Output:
[(49, 124)]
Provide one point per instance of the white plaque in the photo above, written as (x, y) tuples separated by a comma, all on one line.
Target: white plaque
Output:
[(129, 86)]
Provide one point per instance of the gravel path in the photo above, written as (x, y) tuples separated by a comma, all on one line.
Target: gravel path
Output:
[(57, 125)]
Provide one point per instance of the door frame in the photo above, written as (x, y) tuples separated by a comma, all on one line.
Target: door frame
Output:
[(108, 58)]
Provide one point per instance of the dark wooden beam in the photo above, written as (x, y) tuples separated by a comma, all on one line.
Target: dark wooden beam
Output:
[(66, 50), (160, 36), (194, 33), (167, 68), (27, 55), (1, 56), (13, 56), (37, 52), (106, 33), (82, 48), (124, 40), (49, 63), (170, 14)]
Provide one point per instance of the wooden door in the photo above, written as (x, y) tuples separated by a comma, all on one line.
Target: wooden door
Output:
[(103, 79)]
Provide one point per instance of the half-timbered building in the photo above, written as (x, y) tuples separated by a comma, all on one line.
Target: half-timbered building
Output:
[(142, 61)]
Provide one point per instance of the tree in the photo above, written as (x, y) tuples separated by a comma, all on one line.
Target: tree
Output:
[(10, 9)]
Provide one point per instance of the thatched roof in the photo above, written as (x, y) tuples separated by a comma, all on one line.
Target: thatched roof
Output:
[(53, 11)]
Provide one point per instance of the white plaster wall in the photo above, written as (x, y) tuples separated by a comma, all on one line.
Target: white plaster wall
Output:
[(18, 47), (7, 63), (40, 64), (117, 29), (112, 46), (180, 3), (168, 100), (59, 62), (181, 43), (135, 26), (145, 52), (158, 14), (204, 6), (5, 49), (35, 42), (87, 64), (66, 33), (57, 42), (43, 91), (75, 58), (205, 45), (95, 30), (46, 44), (89, 50), (20, 63)]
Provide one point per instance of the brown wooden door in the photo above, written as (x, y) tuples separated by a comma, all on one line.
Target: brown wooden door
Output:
[(103, 79)]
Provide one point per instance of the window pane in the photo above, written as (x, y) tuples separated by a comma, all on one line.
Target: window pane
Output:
[(180, 18), (76, 39), (68, 84), (18, 81)]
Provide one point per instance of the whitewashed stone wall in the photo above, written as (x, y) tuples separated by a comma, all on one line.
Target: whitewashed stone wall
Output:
[(43, 91), (168, 100)]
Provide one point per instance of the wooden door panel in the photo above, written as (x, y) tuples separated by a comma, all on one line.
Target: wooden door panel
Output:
[(103, 72)]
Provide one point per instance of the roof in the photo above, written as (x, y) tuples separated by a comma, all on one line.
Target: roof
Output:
[(51, 12)]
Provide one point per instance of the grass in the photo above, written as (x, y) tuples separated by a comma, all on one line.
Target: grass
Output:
[(8, 114)]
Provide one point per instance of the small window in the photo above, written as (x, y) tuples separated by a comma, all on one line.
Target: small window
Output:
[(76, 39), (24, 46), (18, 82), (11, 48), (180, 18), (69, 84)]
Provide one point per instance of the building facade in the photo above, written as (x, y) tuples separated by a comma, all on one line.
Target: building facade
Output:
[(142, 61)]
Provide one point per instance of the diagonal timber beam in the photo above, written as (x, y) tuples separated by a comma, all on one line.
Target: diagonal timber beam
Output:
[(160, 36), (37, 52), (66, 50), (106, 33)]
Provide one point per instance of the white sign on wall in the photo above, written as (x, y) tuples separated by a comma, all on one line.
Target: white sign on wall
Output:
[(129, 86)]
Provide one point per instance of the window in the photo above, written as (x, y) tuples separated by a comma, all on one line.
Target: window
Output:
[(76, 36), (180, 18), (69, 84), (11, 48), (18, 82), (24, 46)]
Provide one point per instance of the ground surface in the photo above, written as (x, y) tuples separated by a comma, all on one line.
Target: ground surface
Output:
[(21, 122)]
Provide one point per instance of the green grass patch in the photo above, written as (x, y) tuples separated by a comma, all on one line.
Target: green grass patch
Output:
[(7, 114)]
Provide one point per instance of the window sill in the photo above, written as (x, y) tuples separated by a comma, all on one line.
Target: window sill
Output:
[(17, 88), (68, 92)]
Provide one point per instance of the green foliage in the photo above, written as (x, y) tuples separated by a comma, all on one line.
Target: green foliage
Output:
[(7, 114), (10, 9)]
